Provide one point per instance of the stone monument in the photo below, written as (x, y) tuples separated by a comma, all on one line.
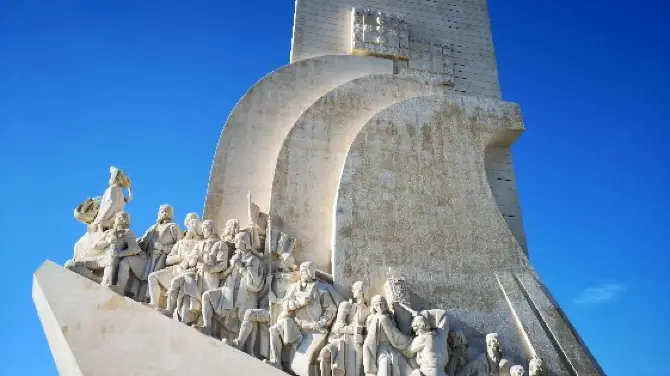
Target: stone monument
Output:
[(379, 161)]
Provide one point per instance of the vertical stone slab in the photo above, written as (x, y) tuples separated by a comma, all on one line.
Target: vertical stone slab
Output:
[(567, 342), (253, 134), (537, 341)]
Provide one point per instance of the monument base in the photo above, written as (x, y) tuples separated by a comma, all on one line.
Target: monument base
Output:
[(95, 332)]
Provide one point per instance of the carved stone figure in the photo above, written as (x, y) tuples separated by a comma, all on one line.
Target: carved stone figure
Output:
[(230, 231), (383, 346), (179, 261), (517, 371), (535, 367), (274, 289), (211, 257), (107, 254), (344, 352), (214, 254), (308, 307), (458, 351), (243, 282), (157, 242), (98, 215), (119, 244), (112, 200), (489, 364), (432, 354)]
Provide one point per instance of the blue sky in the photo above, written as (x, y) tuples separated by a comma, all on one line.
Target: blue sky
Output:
[(147, 86)]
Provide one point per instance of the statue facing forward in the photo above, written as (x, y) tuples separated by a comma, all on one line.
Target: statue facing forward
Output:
[(114, 254), (259, 319), (243, 281), (458, 351), (179, 261), (210, 256), (308, 307), (384, 344), (344, 351), (490, 363), (430, 350), (157, 242)]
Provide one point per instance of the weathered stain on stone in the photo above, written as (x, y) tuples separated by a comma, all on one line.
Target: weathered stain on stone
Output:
[(114, 302)]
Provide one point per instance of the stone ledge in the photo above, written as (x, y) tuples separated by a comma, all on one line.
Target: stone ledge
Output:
[(95, 332)]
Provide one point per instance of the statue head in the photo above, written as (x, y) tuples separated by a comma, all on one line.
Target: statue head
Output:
[(192, 223), (121, 220), (307, 271), (231, 230), (165, 213), (207, 227), (517, 371), (535, 367), (243, 241), (117, 178), (357, 290), (493, 347), (379, 305), (457, 338), (420, 324)]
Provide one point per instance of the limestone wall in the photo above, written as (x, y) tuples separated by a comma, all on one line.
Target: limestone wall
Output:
[(253, 134), (415, 179), (414, 196), (312, 157)]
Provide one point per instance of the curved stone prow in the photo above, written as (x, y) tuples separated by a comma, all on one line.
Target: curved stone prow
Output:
[(94, 331)]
